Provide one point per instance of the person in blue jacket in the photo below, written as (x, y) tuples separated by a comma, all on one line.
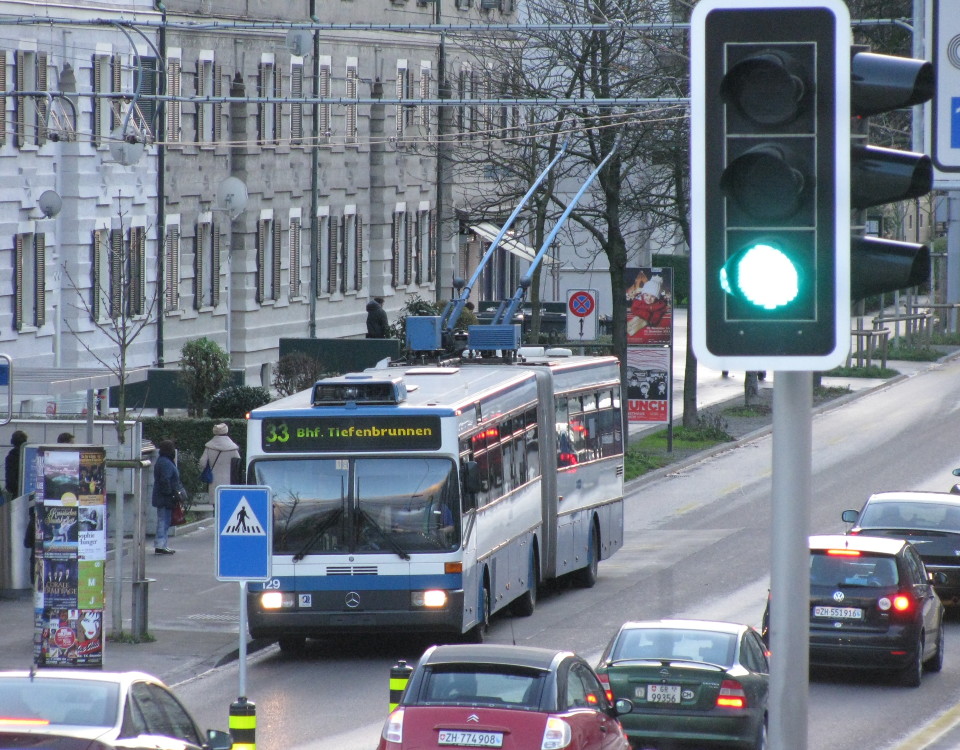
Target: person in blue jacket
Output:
[(166, 484)]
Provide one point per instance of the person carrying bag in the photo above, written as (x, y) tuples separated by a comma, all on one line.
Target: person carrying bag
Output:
[(168, 493), (219, 452)]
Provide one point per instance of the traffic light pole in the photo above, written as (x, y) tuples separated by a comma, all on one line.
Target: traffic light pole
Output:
[(789, 583)]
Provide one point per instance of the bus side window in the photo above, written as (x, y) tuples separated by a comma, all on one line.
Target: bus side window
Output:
[(532, 454), (471, 484)]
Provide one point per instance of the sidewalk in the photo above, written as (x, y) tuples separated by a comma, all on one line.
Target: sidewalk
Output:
[(194, 618)]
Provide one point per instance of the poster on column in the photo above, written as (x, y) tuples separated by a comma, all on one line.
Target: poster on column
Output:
[(71, 553), (649, 306), (648, 384)]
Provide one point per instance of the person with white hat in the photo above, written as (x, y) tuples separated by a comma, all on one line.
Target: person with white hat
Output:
[(219, 451), (648, 307)]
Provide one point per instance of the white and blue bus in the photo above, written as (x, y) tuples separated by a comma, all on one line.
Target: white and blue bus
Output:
[(427, 498)]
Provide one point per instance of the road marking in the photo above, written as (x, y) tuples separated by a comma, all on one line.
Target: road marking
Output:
[(933, 731)]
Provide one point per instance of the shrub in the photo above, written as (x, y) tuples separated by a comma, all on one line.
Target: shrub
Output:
[(296, 372), (204, 370), (234, 402)]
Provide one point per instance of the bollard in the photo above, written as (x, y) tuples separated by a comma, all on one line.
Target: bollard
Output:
[(399, 677), (243, 724)]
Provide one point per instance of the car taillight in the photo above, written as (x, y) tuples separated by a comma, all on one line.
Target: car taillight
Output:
[(900, 603), (393, 728), (605, 682), (731, 695), (556, 734)]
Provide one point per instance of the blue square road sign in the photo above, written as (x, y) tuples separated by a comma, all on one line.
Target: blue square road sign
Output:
[(244, 519)]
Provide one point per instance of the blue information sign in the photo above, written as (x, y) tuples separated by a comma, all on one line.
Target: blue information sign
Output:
[(244, 519)]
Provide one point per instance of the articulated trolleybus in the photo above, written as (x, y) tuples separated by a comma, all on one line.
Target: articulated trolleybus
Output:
[(427, 498)]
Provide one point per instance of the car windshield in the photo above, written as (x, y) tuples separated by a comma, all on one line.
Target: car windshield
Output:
[(337, 505), (500, 685), (682, 644), (51, 701), (906, 515), (873, 571)]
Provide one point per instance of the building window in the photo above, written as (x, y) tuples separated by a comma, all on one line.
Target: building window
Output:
[(145, 110), (174, 108), (207, 261), (268, 258), (268, 114), (352, 88), (31, 111), (295, 239), (172, 268), (30, 280), (106, 79), (296, 107), (209, 114), (324, 91)]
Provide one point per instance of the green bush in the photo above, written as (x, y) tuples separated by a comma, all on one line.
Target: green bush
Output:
[(236, 401), (204, 370)]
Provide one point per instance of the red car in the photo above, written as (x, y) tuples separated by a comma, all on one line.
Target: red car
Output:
[(510, 697)]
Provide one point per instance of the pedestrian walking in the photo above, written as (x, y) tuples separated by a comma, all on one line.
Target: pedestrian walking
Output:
[(220, 452), (166, 489), (378, 327)]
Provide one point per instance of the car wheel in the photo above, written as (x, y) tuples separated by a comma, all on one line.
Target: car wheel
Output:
[(527, 602), (935, 664), (478, 633), (587, 577), (913, 672), (292, 644), (761, 743)]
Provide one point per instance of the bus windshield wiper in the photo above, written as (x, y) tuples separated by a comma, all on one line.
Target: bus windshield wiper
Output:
[(322, 526), (391, 542)]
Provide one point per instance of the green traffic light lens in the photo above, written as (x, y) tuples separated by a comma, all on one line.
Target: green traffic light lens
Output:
[(763, 275)]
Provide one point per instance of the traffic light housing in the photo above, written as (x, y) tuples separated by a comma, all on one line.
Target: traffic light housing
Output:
[(883, 83), (770, 150)]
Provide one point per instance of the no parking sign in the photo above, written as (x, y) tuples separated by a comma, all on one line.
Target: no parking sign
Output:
[(583, 322)]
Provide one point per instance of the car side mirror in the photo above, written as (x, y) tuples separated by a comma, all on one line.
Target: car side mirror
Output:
[(622, 706), (218, 740), (850, 516), (938, 577), (956, 472)]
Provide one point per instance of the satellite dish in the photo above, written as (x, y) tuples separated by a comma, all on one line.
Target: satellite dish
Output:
[(122, 150), (232, 196), (50, 203)]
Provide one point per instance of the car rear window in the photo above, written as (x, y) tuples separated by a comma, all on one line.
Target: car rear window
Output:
[(90, 703), (904, 515), (870, 571), (666, 643), (483, 685)]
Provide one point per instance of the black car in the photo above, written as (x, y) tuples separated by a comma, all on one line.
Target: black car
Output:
[(873, 606), (930, 521)]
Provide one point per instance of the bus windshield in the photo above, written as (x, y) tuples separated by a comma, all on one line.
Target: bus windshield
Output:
[(397, 505)]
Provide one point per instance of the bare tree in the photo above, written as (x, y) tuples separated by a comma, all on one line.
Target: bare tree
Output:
[(117, 304)]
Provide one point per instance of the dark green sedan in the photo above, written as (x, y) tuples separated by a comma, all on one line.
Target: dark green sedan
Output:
[(690, 681)]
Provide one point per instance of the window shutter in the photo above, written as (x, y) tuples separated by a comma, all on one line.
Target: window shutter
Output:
[(431, 238), (173, 107), (408, 225), (21, 104), (201, 107), (18, 292), (136, 301), (173, 268), (215, 271), (40, 279), (277, 245), (42, 105), (277, 108), (218, 106), (296, 109), (199, 244), (295, 257), (116, 272), (324, 124), (3, 99), (97, 103), (395, 250), (332, 246), (261, 259), (116, 84), (261, 108), (96, 252), (401, 78), (358, 265), (343, 254)]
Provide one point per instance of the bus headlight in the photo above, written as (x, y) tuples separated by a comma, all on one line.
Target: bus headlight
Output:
[(276, 600), (432, 598)]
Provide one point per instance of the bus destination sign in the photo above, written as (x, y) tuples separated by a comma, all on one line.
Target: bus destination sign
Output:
[(333, 434)]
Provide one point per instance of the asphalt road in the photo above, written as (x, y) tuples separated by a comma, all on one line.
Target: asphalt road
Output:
[(698, 544)]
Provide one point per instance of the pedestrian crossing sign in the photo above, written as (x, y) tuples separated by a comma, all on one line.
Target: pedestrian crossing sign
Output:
[(244, 541)]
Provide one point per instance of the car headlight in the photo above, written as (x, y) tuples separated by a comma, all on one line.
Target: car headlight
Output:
[(432, 598), (276, 600)]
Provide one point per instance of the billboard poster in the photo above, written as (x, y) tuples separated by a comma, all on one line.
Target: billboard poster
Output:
[(648, 384), (649, 306), (71, 552)]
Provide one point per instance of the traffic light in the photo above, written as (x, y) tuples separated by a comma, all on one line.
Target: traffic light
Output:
[(770, 155), (882, 83)]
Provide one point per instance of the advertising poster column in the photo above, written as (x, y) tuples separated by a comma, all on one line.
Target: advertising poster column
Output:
[(71, 553), (649, 345)]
